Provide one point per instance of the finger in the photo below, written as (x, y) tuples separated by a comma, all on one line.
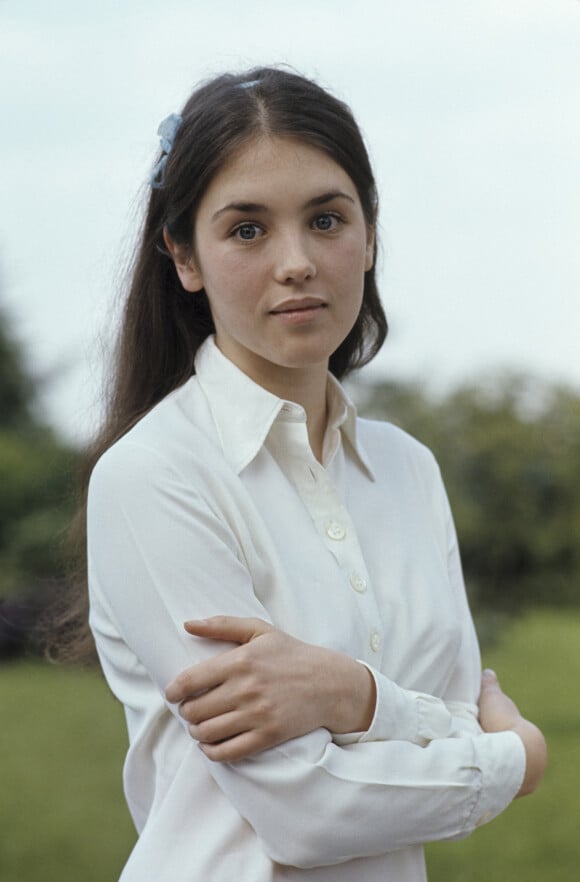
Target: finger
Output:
[(207, 675), (219, 729), (489, 679), (210, 704), (199, 678), (233, 629), (230, 751), (210, 673)]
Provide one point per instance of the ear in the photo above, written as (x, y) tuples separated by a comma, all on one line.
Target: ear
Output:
[(185, 264), (370, 249)]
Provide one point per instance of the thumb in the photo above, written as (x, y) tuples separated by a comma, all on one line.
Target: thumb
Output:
[(489, 679), (232, 629)]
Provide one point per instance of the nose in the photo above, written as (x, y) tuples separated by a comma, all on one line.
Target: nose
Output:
[(294, 260)]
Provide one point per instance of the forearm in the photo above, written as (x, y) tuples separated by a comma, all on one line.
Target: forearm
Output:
[(302, 797), (273, 688)]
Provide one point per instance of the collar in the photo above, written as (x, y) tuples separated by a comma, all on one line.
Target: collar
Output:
[(244, 412)]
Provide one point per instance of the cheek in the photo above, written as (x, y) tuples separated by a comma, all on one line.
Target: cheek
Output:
[(352, 253), (346, 266), (232, 272), (232, 291)]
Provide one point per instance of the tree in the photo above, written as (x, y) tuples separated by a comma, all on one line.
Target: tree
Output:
[(35, 499), (16, 388)]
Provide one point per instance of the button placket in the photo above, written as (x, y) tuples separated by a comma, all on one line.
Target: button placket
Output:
[(329, 513)]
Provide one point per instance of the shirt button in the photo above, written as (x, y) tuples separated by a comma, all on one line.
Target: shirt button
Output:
[(358, 583), (375, 641), (334, 530)]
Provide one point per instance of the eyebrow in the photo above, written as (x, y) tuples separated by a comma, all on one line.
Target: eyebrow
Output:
[(257, 207)]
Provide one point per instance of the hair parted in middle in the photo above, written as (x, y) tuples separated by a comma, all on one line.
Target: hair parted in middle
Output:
[(163, 320), (162, 325)]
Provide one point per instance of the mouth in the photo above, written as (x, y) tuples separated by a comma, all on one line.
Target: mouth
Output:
[(302, 306), (299, 313)]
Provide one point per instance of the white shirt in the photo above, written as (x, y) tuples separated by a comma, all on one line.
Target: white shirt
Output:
[(215, 504)]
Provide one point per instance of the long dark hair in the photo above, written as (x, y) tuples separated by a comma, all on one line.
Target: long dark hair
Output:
[(162, 325)]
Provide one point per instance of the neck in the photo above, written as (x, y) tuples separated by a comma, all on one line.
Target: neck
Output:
[(304, 386), (307, 388)]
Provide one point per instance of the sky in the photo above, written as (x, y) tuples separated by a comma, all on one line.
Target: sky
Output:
[(470, 109)]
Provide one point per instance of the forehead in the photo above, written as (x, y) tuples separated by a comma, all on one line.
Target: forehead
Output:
[(269, 165)]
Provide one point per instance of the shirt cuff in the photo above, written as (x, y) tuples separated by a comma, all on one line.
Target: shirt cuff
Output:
[(501, 759), (465, 718), (402, 715)]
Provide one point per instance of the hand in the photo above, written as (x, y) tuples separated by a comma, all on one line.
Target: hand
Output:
[(268, 690), (498, 713)]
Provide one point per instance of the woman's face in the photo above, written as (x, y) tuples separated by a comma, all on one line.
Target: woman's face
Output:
[(281, 248)]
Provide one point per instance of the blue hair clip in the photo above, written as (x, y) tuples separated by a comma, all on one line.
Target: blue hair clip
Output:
[(248, 84), (167, 131)]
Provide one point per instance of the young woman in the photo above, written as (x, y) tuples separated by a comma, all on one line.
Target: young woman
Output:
[(317, 717)]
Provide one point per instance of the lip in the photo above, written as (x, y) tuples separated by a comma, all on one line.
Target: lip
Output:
[(298, 305), (299, 313)]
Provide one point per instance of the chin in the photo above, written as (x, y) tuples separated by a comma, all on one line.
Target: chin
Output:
[(305, 353), (303, 360)]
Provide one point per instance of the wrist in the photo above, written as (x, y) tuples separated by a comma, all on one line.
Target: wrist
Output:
[(354, 704)]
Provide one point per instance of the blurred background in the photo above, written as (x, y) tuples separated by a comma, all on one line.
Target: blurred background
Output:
[(471, 114)]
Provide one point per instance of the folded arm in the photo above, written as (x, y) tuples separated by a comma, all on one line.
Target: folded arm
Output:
[(269, 689), (159, 553)]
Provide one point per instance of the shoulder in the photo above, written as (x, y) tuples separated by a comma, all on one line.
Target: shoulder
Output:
[(404, 468), (174, 440), (388, 445)]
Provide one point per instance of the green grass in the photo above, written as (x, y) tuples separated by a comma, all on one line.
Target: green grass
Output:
[(62, 742)]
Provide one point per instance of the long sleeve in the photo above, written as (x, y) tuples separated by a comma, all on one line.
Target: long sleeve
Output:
[(160, 552)]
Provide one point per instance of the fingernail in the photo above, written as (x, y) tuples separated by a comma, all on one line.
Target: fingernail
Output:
[(490, 674)]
